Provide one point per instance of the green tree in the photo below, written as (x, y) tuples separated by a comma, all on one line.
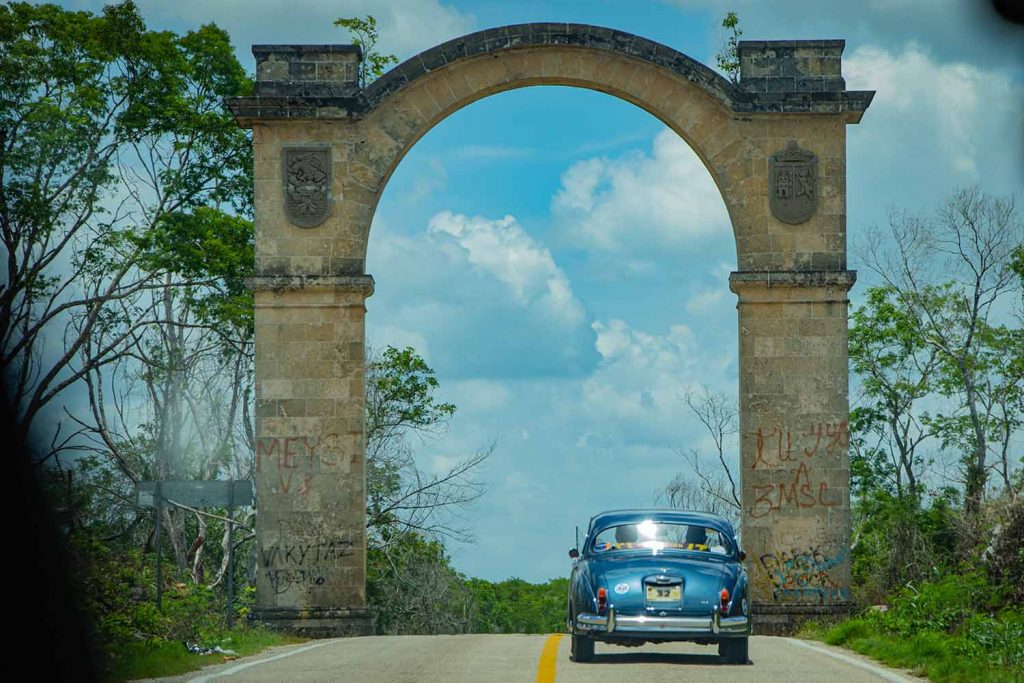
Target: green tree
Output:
[(365, 36), (106, 131), (896, 368), (410, 513), (728, 57), (949, 273), (400, 407)]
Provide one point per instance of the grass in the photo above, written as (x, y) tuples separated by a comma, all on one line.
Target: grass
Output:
[(168, 658), (935, 655)]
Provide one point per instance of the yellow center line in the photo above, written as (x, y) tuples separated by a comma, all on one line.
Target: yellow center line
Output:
[(546, 665)]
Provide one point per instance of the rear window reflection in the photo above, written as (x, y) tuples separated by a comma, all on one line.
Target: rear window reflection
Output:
[(660, 536)]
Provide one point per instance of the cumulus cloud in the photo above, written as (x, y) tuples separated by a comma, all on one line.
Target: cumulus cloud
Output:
[(406, 27), (502, 249), (641, 374), (710, 298), (954, 116), (958, 29), (640, 201)]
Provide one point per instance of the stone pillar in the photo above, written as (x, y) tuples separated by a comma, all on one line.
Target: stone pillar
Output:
[(794, 438), (794, 373), (310, 297), (310, 478)]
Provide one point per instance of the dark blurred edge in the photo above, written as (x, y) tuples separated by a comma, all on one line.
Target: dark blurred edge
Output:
[(51, 638), (1011, 11)]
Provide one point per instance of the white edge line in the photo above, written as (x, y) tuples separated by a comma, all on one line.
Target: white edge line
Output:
[(242, 667), (878, 671)]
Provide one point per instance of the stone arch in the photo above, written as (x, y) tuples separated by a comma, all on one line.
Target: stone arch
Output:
[(324, 150), (688, 97)]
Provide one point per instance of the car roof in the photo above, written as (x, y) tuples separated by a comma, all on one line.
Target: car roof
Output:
[(610, 518)]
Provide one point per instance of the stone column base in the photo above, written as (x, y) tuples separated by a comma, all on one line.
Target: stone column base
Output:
[(317, 622), (784, 619)]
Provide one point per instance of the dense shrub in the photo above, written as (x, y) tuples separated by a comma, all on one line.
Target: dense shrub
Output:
[(118, 587), (898, 542), (1004, 554)]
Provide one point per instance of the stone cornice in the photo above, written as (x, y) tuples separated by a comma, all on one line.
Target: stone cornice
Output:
[(295, 283), (805, 93)]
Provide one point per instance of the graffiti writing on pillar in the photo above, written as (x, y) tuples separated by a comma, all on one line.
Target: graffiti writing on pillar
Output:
[(779, 445), (304, 564), (804, 575), (776, 448), (295, 459), (800, 492), (283, 580)]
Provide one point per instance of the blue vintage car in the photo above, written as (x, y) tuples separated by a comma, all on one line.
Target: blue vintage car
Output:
[(659, 576)]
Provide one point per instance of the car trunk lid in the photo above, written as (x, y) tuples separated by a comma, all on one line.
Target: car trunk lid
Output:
[(650, 585)]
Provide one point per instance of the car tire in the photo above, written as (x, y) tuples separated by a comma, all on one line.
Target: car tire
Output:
[(582, 649), (734, 650)]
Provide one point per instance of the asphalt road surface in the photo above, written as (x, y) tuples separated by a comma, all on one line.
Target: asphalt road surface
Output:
[(541, 659)]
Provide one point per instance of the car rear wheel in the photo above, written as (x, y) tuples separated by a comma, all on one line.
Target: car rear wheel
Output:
[(582, 649), (733, 650), (582, 646)]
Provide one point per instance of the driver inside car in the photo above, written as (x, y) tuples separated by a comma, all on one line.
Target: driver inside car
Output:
[(696, 538), (625, 537)]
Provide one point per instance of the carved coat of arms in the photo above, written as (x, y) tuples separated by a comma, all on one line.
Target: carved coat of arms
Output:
[(793, 184), (306, 176)]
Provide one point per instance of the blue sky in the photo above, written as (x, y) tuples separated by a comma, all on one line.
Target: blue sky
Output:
[(561, 258)]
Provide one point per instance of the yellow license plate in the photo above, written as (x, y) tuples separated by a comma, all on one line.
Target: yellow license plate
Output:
[(664, 593)]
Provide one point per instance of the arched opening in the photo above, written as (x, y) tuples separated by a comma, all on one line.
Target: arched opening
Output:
[(568, 284)]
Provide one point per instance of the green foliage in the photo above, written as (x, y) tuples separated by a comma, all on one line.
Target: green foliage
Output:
[(107, 128), (403, 393), (170, 658), (83, 85), (999, 640), (214, 252), (414, 590), (364, 35), (515, 606), (728, 58), (936, 632)]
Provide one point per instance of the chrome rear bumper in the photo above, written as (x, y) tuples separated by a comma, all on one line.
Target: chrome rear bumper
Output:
[(715, 625)]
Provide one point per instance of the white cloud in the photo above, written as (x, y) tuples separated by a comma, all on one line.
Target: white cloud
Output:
[(502, 249), (947, 103), (641, 201), (711, 298), (479, 395), (640, 375), (957, 29), (393, 335), (706, 300), (406, 27)]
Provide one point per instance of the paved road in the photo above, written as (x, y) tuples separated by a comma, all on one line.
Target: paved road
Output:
[(540, 659)]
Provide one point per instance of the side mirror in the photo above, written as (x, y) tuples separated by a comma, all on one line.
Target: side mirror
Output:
[(574, 553), (743, 555)]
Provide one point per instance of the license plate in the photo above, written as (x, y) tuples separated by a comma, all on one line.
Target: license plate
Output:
[(664, 593)]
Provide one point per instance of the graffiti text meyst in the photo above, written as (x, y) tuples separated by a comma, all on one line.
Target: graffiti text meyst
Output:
[(295, 459), (778, 448)]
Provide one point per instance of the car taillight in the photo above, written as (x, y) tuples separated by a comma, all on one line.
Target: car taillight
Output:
[(725, 599), (602, 599)]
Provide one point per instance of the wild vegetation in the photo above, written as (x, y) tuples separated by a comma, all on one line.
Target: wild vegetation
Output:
[(938, 354)]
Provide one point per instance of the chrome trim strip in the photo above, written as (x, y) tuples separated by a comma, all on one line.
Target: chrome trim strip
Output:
[(716, 625)]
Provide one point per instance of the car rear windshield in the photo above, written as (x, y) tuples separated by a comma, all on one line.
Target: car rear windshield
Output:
[(661, 536)]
